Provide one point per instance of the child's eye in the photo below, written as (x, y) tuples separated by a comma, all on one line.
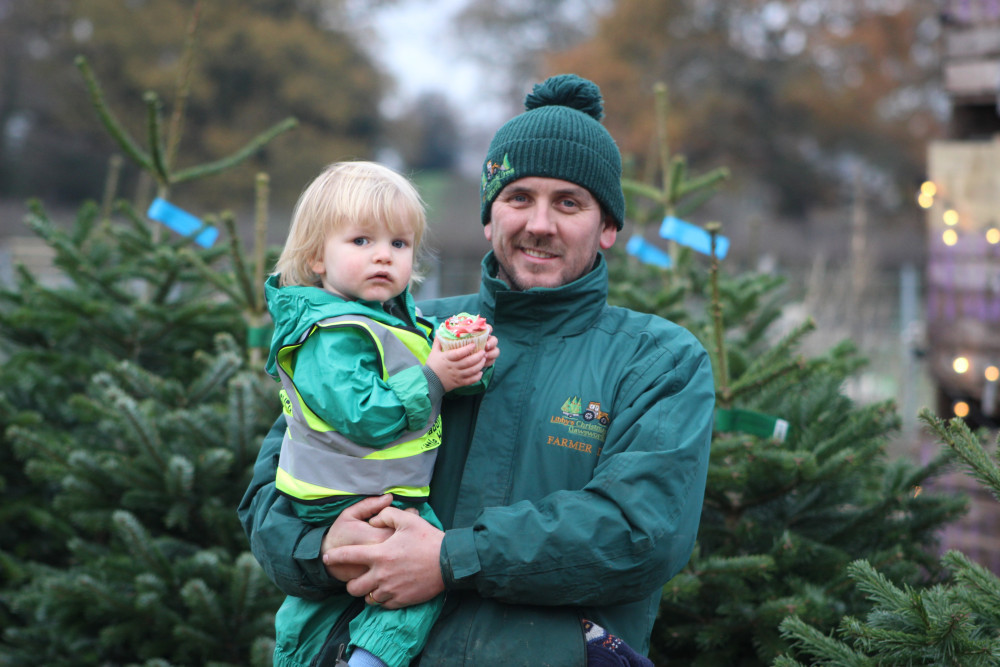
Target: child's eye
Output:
[(399, 243), (361, 240)]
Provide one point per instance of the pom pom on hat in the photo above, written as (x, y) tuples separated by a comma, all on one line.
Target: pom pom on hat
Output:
[(558, 136), (567, 90)]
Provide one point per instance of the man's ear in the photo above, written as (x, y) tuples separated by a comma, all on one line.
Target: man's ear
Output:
[(488, 231), (609, 233)]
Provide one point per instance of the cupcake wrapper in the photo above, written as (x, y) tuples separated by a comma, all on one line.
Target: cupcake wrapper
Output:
[(478, 339)]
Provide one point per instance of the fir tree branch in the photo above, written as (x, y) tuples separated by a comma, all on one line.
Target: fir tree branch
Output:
[(111, 124), (748, 383), (957, 435), (138, 223), (240, 271), (111, 186), (154, 131), (218, 369), (661, 110), (877, 587), (141, 544), (677, 173), (642, 189), (262, 192), (69, 256), (179, 477), (806, 639), (977, 588), (783, 348), (140, 382), (254, 145), (754, 566), (708, 181), (693, 203), (208, 273), (29, 442), (245, 584), (785, 661), (720, 345), (168, 278), (978, 578), (129, 414), (204, 605), (242, 402)]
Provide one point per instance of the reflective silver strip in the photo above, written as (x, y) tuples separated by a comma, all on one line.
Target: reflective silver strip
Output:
[(331, 469), (331, 460)]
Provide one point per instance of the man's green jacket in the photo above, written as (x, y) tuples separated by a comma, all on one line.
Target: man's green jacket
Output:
[(571, 489)]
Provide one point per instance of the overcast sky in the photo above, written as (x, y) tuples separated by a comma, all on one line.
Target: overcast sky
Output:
[(416, 44)]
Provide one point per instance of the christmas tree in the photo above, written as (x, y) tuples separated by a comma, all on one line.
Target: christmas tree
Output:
[(953, 623), (799, 482), (131, 419)]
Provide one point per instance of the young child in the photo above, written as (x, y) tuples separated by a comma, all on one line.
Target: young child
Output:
[(362, 384)]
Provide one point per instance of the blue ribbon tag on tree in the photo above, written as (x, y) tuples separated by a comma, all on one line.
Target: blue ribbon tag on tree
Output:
[(647, 252), (181, 222), (693, 237)]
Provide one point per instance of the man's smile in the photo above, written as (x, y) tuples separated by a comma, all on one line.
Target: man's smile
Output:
[(537, 253)]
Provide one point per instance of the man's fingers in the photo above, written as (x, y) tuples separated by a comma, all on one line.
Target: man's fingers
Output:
[(394, 518), (349, 555), (361, 586)]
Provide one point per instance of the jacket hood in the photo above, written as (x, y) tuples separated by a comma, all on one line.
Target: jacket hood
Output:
[(295, 308)]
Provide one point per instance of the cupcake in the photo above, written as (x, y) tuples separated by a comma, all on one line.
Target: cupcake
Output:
[(462, 329)]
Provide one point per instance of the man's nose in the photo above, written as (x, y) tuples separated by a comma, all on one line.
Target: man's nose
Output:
[(540, 221)]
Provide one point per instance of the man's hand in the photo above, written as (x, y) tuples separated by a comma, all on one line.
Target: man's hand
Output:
[(492, 349), (403, 570), (352, 527)]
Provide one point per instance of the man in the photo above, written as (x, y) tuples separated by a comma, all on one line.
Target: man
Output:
[(572, 490)]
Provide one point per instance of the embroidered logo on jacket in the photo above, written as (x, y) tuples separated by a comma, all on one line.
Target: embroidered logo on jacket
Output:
[(582, 422)]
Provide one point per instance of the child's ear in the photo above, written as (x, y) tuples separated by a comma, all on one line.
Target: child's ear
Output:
[(318, 267)]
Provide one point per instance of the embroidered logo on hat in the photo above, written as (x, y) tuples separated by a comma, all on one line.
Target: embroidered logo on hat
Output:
[(495, 176)]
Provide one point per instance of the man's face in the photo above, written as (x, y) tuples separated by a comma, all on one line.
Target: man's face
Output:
[(546, 232)]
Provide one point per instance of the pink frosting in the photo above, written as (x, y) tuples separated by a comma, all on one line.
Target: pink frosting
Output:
[(463, 325)]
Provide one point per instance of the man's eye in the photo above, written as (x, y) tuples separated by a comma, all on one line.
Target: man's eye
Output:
[(569, 203)]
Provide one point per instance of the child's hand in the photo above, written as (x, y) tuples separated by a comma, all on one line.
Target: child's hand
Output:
[(459, 367)]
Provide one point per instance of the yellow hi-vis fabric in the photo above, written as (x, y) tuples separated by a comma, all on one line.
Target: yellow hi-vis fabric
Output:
[(317, 463)]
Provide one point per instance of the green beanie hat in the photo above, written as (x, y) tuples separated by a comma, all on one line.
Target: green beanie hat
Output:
[(558, 136)]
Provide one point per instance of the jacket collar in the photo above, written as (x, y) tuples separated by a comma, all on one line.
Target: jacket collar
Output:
[(295, 308), (541, 311)]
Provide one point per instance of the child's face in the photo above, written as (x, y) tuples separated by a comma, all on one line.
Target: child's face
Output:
[(369, 263)]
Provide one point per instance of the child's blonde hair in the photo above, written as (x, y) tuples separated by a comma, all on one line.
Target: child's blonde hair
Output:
[(364, 193)]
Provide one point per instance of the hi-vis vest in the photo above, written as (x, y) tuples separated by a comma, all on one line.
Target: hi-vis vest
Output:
[(318, 464)]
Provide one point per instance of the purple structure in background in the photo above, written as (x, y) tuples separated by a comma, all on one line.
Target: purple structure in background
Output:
[(973, 11)]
